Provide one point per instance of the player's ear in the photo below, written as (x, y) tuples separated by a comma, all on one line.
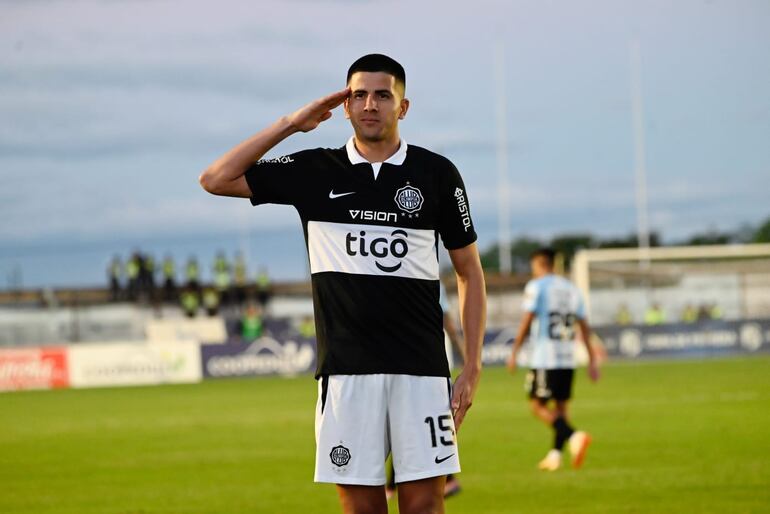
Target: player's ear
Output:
[(404, 108), (345, 106)]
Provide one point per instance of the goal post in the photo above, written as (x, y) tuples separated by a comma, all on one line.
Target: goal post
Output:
[(733, 278)]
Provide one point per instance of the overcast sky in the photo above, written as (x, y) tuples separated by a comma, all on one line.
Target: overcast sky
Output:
[(109, 110)]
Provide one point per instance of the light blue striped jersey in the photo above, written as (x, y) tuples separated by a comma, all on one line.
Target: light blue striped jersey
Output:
[(557, 305)]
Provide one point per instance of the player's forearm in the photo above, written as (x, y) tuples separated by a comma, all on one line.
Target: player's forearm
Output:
[(521, 335), (585, 331), (233, 164), (518, 342), (473, 315)]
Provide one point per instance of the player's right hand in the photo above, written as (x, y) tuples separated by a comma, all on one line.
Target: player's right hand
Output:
[(511, 363), (310, 116), (593, 371)]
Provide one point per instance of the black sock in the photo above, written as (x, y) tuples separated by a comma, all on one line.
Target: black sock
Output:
[(563, 432)]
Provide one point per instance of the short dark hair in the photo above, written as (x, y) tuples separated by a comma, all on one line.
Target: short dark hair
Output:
[(547, 253), (379, 62)]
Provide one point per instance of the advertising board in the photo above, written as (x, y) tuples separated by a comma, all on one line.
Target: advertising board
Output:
[(265, 356), (126, 364), (687, 340), (33, 368)]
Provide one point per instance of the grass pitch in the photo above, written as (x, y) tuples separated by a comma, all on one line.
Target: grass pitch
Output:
[(679, 436)]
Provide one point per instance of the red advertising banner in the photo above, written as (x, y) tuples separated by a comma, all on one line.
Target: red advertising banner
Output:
[(33, 368)]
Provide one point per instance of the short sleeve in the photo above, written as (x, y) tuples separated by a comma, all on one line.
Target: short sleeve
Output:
[(278, 180), (455, 223), (531, 293)]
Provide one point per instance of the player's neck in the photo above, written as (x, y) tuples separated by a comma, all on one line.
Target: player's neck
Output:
[(378, 151)]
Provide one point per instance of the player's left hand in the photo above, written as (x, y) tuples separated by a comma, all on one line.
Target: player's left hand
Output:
[(463, 392)]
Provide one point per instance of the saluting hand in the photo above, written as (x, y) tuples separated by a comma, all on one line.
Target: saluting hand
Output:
[(310, 116)]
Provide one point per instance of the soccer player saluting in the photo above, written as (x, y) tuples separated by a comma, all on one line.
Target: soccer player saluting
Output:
[(553, 309), (372, 212)]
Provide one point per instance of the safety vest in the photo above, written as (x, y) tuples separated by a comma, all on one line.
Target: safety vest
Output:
[(251, 327)]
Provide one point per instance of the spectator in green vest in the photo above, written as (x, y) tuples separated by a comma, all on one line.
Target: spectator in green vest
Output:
[(114, 273), (133, 269), (211, 301), (251, 324), (307, 327), (240, 279), (715, 311), (654, 315), (264, 289), (221, 271), (169, 279), (147, 274), (623, 316), (192, 274), (689, 314), (190, 302)]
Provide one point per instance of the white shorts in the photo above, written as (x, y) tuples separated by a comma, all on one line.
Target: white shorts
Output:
[(360, 419)]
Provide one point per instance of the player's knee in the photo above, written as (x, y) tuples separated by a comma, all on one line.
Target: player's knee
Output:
[(363, 506), (421, 506), (368, 509)]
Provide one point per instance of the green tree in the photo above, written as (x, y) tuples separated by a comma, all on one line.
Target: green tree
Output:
[(521, 248), (762, 235), (568, 244)]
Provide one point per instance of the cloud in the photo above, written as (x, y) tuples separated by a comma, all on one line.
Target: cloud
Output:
[(108, 110)]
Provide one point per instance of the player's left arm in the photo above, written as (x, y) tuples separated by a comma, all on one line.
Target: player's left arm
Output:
[(471, 290), (585, 333)]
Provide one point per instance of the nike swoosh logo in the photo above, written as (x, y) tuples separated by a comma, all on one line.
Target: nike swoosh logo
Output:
[(334, 195), (439, 461)]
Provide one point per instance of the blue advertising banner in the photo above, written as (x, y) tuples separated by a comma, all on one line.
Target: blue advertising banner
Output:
[(296, 355), (497, 346), (265, 356), (709, 338), (688, 340)]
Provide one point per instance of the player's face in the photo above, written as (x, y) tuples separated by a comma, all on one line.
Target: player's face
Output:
[(375, 105), (539, 266)]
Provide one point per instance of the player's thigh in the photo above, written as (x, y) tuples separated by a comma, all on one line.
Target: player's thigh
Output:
[(351, 430), (362, 499), (536, 385), (560, 384), (422, 430), (424, 496)]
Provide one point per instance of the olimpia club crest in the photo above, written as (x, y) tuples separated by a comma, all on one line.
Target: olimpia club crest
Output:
[(340, 455), (409, 199)]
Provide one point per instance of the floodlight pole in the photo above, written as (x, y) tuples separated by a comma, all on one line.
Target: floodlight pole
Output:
[(503, 216), (640, 165)]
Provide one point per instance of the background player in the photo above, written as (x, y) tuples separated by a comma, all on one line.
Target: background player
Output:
[(371, 211), (553, 307)]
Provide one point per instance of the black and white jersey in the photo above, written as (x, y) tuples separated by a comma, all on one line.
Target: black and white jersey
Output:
[(372, 238)]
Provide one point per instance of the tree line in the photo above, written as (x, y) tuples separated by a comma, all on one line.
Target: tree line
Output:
[(569, 244)]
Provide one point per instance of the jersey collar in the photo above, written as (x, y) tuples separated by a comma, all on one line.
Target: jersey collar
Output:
[(397, 158)]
